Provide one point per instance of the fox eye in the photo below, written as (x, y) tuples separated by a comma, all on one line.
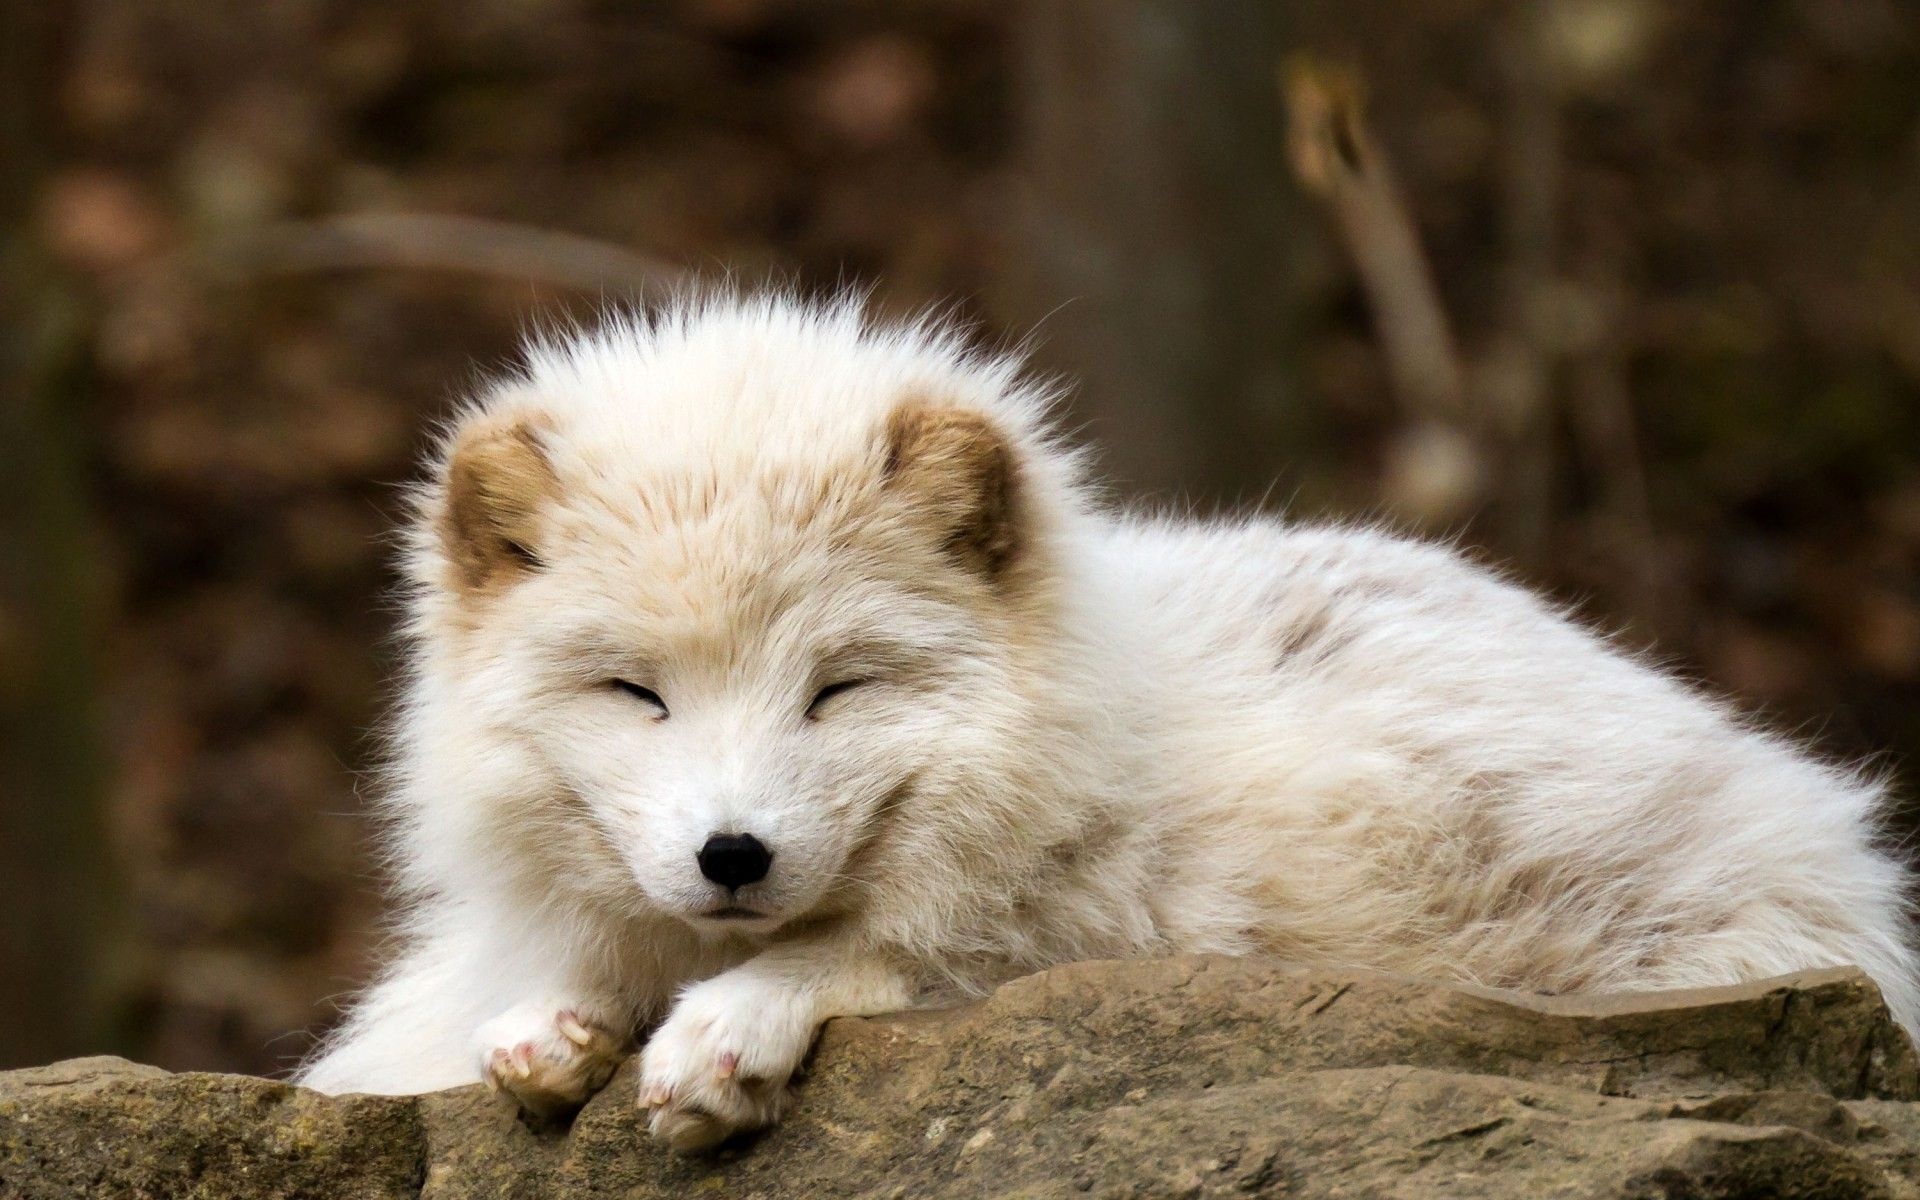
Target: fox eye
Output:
[(646, 694), (829, 692)]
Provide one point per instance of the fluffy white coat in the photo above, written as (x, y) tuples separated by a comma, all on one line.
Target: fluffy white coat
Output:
[(1060, 733)]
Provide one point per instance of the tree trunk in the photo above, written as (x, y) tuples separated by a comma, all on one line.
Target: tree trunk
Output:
[(57, 933), (1150, 236)]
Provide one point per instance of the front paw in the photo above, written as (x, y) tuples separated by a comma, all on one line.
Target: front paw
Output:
[(549, 1059), (720, 1064)]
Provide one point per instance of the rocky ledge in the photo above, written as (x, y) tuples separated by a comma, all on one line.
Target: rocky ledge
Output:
[(1183, 1077)]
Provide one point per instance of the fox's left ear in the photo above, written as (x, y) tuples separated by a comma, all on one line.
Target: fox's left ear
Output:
[(962, 475)]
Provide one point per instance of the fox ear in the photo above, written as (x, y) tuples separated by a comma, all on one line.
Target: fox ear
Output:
[(962, 474), (498, 482)]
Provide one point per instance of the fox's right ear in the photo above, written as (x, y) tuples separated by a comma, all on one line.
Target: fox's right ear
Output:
[(497, 485)]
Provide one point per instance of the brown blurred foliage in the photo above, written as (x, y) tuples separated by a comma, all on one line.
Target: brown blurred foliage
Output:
[(1677, 246)]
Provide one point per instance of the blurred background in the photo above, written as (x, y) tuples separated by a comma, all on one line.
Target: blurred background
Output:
[(1622, 293)]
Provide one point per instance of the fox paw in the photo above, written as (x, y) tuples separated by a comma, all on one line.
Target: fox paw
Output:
[(720, 1065), (548, 1059)]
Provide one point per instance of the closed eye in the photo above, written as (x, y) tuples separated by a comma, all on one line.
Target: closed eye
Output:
[(828, 692), (644, 694)]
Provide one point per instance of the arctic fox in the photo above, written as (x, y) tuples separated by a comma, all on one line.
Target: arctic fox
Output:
[(770, 664)]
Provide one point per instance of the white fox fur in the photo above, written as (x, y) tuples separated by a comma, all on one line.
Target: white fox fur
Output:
[(1074, 734)]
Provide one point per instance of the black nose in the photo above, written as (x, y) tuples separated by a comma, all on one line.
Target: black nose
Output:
[(734, 860)]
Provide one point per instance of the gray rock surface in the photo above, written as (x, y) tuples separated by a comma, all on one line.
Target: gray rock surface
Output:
[(1179, 1077)]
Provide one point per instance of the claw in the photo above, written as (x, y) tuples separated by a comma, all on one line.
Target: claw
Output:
[(522, 1059), (729, 1063), (573, 1030), (498, 1063), (656, 1096)]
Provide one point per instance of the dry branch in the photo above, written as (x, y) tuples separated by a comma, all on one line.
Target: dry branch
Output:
[(1433, 470), (1335, 155), (437, 242)]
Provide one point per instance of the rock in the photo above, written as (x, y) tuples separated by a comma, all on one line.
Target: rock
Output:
[(1177, 1077), (104, 1127)]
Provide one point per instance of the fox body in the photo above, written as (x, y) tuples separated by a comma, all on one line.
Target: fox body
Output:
[(768, 665)]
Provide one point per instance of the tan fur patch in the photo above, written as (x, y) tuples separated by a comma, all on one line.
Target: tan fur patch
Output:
[(498, 480), (962, 475)]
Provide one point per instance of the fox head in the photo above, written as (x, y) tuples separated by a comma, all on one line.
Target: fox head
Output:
[(712, 613)]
